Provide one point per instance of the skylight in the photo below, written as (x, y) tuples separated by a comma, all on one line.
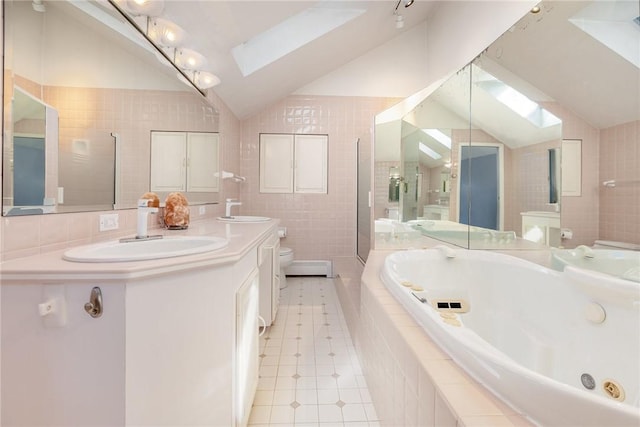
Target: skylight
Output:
[(429, 152), (614, 24), (291, 34), (439, 136), (514, 100)]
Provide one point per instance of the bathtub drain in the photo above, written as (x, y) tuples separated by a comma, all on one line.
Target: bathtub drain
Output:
[(588, 381)]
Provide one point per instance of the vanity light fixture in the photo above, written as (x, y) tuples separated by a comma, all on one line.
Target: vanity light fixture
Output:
[(142, 7), (164, 32), (205, 79), (202, 79), (189, 59)]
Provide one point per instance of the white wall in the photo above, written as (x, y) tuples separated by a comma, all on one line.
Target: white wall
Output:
[(454, 34)]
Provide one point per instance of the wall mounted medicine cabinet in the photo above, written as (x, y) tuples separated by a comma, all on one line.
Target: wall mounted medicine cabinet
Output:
[(291, 163), (184, 161)]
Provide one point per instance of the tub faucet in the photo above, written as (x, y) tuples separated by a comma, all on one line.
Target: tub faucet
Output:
[(446, 251), (143, 211), (230, 203), (587, 252)]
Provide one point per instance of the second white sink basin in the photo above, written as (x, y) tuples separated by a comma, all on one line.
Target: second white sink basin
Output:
[(245, 218), (167, 247)]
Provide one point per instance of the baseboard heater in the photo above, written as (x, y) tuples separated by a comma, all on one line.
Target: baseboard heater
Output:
[(310, 268)]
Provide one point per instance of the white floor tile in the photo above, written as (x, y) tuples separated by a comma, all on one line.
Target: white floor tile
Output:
[(306, 414), (309, 372), (352, 412), (329, 413), (282, 414)]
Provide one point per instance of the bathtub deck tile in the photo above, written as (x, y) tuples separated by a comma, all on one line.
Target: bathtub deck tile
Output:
[(493, 421), (446, 372), (468, 400)]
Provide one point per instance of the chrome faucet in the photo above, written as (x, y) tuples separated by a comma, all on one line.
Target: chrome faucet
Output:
[(143, 211), (230, 203)]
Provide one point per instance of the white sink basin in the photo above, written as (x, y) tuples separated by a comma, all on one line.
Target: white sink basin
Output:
[(138, 250), (246, 218)]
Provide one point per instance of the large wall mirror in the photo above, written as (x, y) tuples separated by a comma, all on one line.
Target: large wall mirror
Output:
[(484, 157), (83, 90)]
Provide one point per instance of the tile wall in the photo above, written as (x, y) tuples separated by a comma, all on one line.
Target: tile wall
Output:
[(620, 160), (581, 214), (319, 226)]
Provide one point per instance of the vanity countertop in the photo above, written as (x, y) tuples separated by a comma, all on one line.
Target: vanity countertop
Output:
[(51, 267)]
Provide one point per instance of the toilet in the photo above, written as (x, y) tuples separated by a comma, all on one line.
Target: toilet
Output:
[(286, 257)]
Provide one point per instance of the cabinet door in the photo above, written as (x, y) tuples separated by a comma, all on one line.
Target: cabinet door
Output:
[(246, 364), (276, 163), (62, 367), (311, 163), (168, 161), (202, 162), (571, 160)]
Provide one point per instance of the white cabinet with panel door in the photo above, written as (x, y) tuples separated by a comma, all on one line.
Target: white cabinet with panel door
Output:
[(184, 161), (293, 163)]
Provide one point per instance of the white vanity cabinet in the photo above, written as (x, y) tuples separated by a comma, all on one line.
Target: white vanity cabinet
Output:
[(176, 344), (541, 227)]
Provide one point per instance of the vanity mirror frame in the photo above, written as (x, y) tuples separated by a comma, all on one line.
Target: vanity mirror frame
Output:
[(150, 88)]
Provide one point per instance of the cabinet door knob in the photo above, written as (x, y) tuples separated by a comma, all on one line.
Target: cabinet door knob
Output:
[(94, 306)]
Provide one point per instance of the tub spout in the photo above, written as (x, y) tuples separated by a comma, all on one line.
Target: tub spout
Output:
[(587, 252), (446, 251)]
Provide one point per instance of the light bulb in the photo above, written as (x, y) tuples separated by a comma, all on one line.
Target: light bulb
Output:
[(189, 59), (165, 33)]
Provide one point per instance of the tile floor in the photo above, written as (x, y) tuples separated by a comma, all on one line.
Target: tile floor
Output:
[(309, 372)]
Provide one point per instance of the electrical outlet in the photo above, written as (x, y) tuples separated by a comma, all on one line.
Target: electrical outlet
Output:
[(202, 210), (108, 222)]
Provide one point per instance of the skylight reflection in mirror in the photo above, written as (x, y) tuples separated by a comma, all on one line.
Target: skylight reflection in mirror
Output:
[(514, 100), (439, 136)]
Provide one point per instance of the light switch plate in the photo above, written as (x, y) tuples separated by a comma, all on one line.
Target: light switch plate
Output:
[(108, 222)]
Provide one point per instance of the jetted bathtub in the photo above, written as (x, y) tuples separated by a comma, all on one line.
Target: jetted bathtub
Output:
[(562, 348), (616, 262)]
